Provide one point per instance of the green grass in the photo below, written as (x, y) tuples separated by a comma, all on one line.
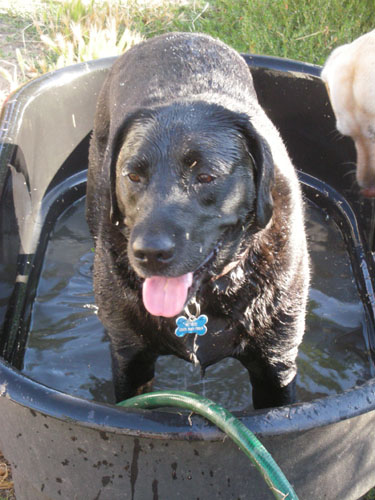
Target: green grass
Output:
[(296, 29)]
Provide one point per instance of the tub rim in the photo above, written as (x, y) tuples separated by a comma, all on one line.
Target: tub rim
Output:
[(298, 417)]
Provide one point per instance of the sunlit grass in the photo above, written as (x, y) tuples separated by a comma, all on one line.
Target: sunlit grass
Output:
[(81, 30), (98, 41)]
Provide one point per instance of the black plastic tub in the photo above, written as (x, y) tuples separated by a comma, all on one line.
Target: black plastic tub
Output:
[(63, 446)]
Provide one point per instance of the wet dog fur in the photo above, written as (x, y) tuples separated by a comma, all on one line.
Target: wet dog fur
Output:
[(187, 174)]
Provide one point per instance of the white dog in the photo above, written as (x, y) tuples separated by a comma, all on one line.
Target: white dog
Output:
[(349, 74)]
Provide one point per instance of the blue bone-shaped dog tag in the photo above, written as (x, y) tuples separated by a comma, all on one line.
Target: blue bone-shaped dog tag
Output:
[(193, 325)]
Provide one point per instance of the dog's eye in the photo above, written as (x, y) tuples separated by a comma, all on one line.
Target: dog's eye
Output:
[(205, 178), (134, 177)]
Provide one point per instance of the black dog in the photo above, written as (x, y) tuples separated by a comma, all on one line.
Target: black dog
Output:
[(194, 204)]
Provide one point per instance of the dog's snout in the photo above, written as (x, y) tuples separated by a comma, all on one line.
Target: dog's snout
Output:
[(154, 249)]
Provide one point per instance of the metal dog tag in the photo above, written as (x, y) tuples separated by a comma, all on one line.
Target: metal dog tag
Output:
[(191, 325)]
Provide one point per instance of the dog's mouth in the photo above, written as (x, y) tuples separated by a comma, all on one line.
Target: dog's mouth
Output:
[(368, 192), (167, 296)]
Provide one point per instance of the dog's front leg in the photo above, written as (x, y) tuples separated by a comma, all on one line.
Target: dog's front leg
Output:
[(268, 392), (133, 370), (273, 382)]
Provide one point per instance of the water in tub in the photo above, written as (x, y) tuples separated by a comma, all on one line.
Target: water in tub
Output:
[(68, 349)]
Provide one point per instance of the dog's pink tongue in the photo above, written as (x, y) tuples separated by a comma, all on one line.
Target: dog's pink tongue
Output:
[(166, 296)]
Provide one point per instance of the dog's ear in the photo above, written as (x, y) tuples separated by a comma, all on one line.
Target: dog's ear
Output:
[(113, 151), (264, 167), (261, 156), (114, 212)]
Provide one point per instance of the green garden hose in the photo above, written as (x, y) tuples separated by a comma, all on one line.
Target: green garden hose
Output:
[(229, 424)]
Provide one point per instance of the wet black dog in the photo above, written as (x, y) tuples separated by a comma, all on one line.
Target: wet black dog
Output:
[(194, 204)]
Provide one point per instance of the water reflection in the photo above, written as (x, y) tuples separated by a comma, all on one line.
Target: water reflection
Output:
[(68, 349)]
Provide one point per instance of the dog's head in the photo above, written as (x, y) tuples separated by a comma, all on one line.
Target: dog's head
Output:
[(187, 181)]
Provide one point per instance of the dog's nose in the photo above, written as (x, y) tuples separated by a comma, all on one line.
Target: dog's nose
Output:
[(154, 249)]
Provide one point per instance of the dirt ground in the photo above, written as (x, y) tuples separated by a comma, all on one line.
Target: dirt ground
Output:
[(6, 484)]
